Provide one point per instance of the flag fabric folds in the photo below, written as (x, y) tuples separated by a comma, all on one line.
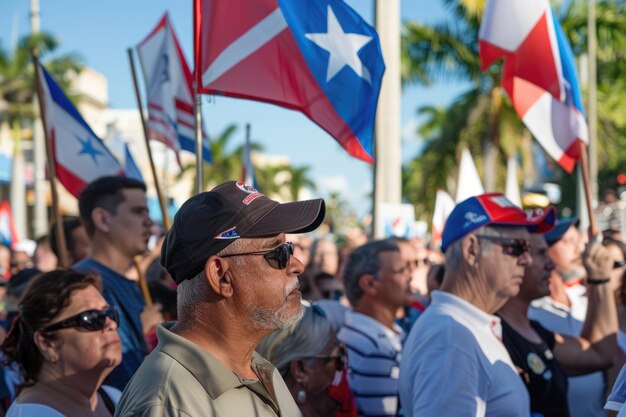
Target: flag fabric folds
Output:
[(538, 74), (469, 184), (170, 91), (131, 170), (443, 207), (80, 157), (316, 56), (8, 234)]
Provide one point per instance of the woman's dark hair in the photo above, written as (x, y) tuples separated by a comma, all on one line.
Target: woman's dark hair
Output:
[(46, 296)]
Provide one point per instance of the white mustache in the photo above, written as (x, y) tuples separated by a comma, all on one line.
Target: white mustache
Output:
[(294, 285)]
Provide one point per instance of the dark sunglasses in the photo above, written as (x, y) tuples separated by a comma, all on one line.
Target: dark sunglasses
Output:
[(277, 258), (511, 247), (90, 320), (339, 359)]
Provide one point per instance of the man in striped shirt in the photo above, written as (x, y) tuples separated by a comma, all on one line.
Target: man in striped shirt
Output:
[(377, 284)]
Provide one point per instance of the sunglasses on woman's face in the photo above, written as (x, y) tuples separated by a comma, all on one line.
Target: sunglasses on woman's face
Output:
[(90, 320), (277, 258)]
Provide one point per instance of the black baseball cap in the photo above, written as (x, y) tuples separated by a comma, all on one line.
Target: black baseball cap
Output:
[(210, 221)]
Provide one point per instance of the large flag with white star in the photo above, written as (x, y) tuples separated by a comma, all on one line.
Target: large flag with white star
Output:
[(80, 157), (316, 56)]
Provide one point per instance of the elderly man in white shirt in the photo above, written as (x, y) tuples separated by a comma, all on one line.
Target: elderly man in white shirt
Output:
[(454, 363)]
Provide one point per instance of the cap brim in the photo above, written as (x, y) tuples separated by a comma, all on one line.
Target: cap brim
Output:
[(297, 217), (559, 230)]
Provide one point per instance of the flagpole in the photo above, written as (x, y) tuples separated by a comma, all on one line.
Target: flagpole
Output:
[(166, 219), (56, 215), (197, 20), (584, 164)]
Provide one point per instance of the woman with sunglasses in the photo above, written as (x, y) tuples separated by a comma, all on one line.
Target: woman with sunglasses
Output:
[(65, 341), (312, 362)]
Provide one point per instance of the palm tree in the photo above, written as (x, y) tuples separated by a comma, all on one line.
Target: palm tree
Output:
[(17, 87), (299, 179)]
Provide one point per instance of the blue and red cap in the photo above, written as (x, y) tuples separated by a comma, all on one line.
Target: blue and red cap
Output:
[(493, 209)]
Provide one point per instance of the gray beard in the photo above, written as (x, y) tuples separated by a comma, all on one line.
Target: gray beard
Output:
[(279, 319), (275, 320)]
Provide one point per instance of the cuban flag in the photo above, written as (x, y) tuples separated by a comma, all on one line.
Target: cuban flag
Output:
[(80, 157), (169, 88), (316, 56), (538, 74), (8, 234)]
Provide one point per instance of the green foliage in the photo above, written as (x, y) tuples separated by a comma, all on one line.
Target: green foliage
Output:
[(17, 84)]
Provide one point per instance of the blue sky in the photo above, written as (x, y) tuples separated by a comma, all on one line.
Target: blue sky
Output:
[(101, 31)]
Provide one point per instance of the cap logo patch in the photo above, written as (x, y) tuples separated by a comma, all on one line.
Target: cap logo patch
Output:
[(246, 188), (254, 194), (473, 218), (502, 201), (534, 215), (228, 234)]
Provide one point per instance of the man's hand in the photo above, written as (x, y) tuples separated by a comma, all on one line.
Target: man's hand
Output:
[(598, 261)]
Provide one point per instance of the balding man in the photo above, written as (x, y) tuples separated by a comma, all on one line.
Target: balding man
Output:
[(454, 363), (237, 282)]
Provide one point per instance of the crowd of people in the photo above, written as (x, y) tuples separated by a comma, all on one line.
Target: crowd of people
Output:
[(252, 312)]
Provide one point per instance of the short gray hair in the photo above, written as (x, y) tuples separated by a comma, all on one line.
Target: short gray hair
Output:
[(361, 261), (304, 339)]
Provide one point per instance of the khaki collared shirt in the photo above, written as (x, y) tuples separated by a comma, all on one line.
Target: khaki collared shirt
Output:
[(180, 379)]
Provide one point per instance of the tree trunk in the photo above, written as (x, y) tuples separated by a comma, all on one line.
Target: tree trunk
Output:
[(18, 183)]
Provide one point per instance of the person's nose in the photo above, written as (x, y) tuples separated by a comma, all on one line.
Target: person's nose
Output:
[(525, 259), (295, 266)]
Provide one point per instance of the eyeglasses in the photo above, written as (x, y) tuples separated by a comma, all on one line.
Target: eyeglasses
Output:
[(90, 320), (417, 262), (277, 258), (339, 359), (510, 246)]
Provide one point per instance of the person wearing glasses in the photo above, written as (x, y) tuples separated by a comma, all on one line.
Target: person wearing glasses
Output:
[(65, 342), (453, 362), (377, 283), (237, 282), (312, 362), (544, 358)]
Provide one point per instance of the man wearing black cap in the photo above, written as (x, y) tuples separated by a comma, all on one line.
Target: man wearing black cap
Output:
[(453, 362), (238, 281)]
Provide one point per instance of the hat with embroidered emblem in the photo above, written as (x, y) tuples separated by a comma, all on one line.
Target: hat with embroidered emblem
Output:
[(210, 221), (493, 209)]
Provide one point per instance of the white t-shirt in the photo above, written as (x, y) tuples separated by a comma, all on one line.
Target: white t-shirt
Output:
[(454, 364), (585, 394)]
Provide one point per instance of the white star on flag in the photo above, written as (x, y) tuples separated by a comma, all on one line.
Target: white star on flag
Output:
[(342, 47)]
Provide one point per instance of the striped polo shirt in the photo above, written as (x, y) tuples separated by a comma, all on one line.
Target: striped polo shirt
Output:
[(374, 353)]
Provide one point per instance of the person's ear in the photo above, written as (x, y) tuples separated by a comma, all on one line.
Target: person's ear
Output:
[(299, 372), (367, 284), (101, 219), (216, 273), (470, 247), (48, 347)]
